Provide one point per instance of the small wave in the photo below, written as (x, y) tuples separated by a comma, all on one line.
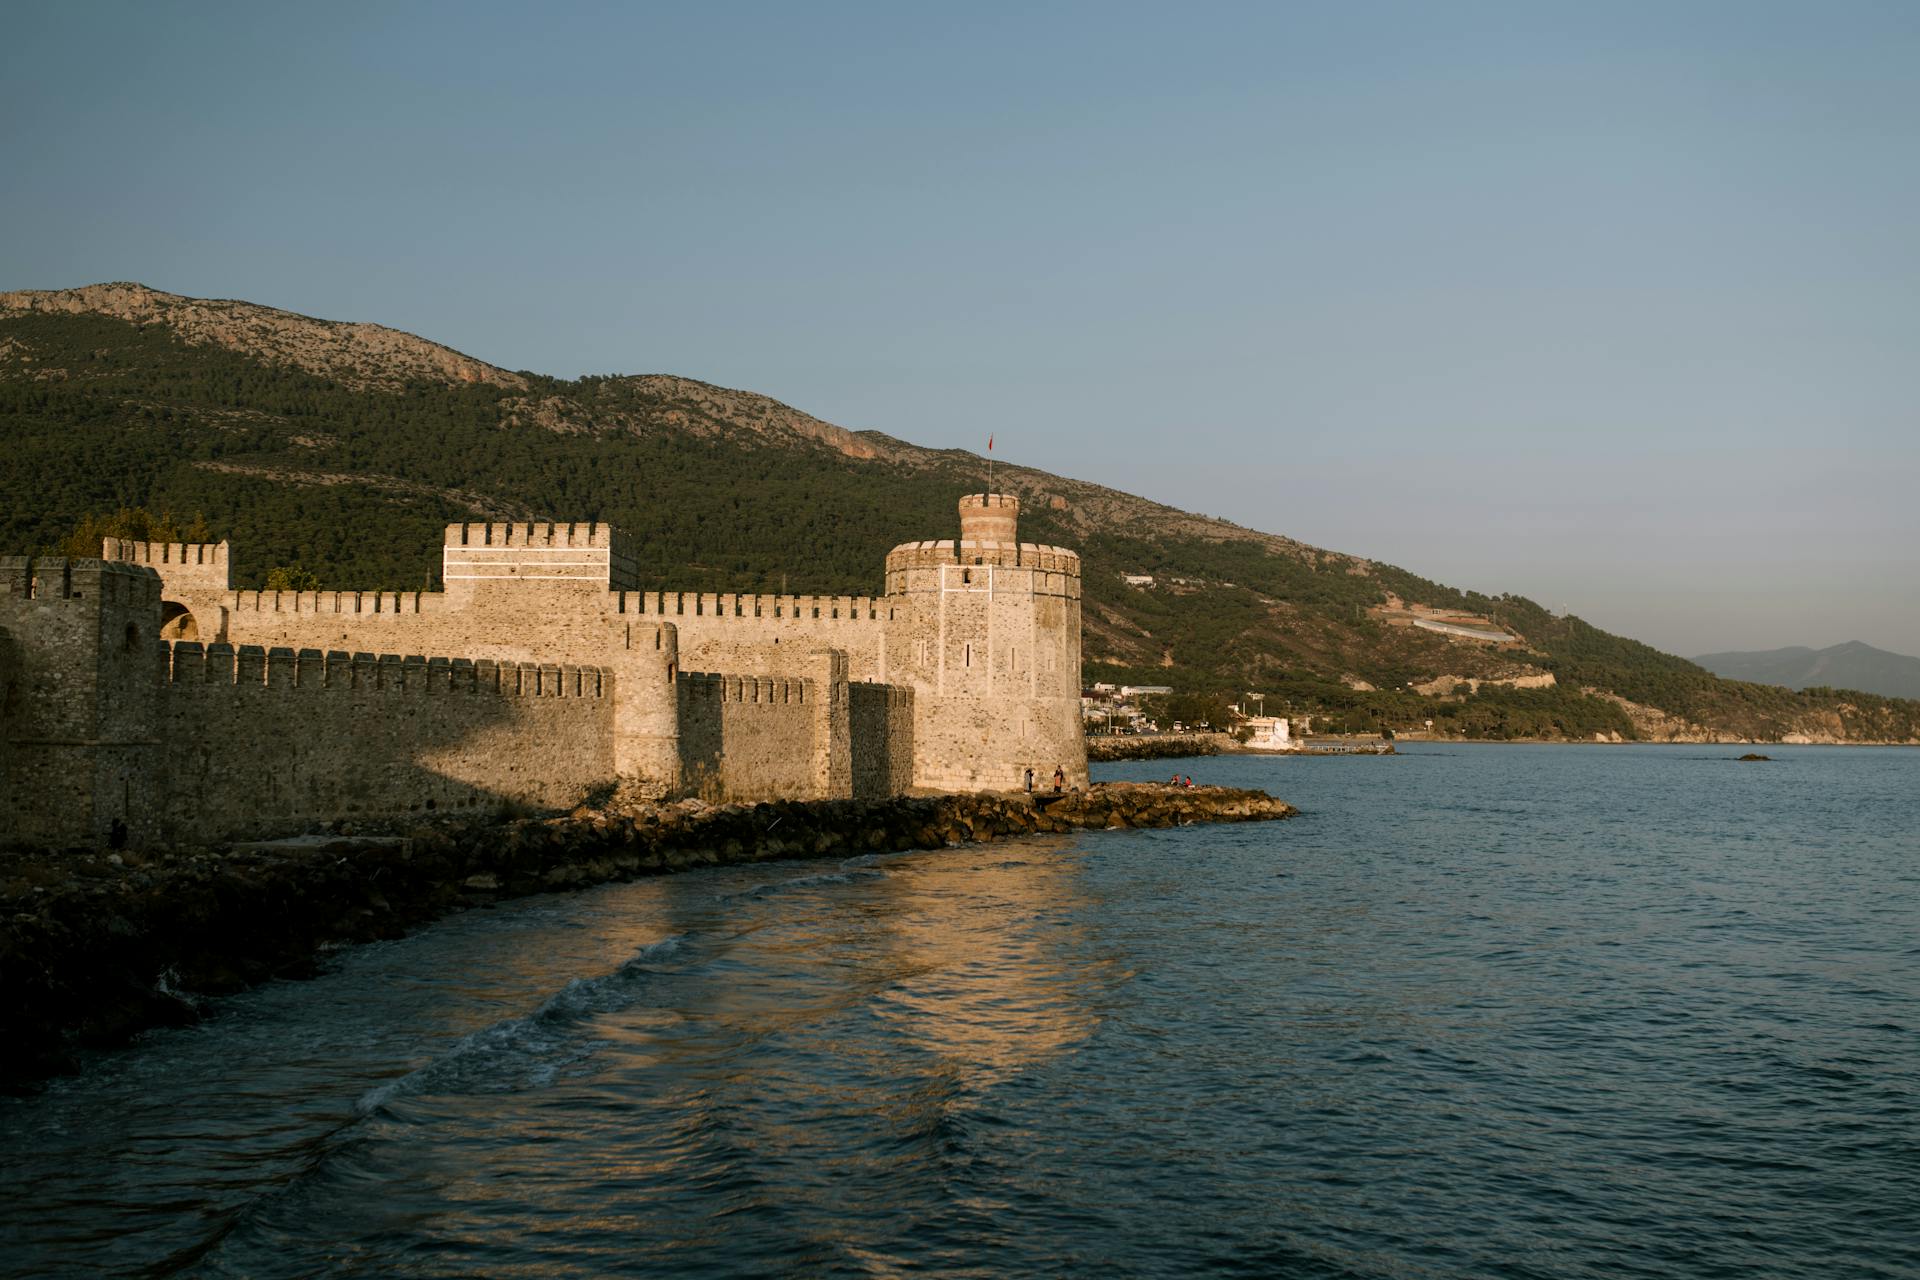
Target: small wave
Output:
[(493, 1059), (167, 984), (530, 1050), (877, 859), (767, 888)]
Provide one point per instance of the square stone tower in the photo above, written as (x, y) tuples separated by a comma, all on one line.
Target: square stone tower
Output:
[(535, 560), (80, 688)]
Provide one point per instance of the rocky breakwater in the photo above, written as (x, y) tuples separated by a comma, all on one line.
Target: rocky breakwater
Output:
[(97, 946), (1157, 746)]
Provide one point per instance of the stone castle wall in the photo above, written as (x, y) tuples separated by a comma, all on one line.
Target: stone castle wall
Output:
[(262, 741), (725, 631), (189, 566), (982, 636), (881, 742), (534, 619), (749, 737), (110, 735), (270, 710)]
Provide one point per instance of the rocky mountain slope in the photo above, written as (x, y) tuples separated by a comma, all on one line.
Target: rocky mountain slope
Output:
[(355, 355), (345, 447)]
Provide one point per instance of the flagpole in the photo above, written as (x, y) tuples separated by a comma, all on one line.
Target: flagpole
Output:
[(989, 470)]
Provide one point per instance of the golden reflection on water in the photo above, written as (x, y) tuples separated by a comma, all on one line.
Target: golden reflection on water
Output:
[(757, 1040), (994, 962), (485, 973)]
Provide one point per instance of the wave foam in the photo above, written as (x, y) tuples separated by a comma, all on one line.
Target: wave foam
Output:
[(528, 1051), (852, 875)]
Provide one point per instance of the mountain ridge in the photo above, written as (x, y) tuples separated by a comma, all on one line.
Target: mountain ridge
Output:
[(1852, 664), (346, 446), (259, 330)]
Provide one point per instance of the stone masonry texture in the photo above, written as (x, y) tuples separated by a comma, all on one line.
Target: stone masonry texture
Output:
[(143, 699)]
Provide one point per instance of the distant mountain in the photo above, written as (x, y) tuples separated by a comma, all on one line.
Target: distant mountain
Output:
[(1852, 665), (346, 448)]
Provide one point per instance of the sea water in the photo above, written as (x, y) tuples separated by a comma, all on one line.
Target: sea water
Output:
[(1478, 1011)]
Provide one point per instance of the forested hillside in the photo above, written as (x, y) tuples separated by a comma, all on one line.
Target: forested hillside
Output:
[(344, 449)]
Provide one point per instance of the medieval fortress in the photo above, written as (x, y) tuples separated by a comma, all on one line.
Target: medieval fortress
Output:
[(143, 699)]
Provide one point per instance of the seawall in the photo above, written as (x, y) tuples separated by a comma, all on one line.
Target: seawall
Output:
[(268, 741), (96, 947)]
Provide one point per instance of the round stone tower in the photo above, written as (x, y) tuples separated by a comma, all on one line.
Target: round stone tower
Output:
[(986, 629), (990, 517)]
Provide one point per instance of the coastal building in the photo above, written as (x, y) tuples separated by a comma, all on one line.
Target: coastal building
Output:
[(143, 698), (1270, 733)]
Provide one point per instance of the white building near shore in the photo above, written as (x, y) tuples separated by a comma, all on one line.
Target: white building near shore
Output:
[(1270, 733)]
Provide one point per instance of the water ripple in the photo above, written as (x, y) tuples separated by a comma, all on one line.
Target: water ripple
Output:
[(1518, 1012)]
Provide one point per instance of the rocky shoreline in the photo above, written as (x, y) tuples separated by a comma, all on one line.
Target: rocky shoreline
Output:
[(1102, 748), (97, 946)]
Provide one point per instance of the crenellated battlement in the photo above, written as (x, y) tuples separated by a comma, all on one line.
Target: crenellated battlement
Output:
[(50, 578), (200, 564), (932, 554), (161, 703), (766, 736), (275, 739), (724, 605), (347, 602), (554, 553), (576, 533), (188, 662), (990, 517), (768, 690)]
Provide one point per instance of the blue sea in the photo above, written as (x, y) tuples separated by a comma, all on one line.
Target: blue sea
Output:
[(1479, 1011)]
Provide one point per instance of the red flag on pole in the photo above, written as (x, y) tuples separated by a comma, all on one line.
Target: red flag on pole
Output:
[(989, 442)]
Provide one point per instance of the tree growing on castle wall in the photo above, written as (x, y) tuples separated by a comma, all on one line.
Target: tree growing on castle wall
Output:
[(292, 577), (135, 523)]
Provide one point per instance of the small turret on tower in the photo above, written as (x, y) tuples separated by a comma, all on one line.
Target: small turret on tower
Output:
[(990, 517)]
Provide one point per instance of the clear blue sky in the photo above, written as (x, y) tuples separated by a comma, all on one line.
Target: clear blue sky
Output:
[(1616, 305)]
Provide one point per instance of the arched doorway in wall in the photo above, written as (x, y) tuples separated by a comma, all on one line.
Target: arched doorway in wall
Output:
[(177, 622)]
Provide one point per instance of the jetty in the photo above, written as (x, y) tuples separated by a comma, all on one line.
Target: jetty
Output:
[(1345, 747), (1171, 746)]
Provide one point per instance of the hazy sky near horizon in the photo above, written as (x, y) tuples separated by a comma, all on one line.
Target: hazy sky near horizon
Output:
[(1616, 306)]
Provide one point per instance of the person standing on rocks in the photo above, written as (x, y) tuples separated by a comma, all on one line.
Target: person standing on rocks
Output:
[(1029, 782), (1059, 779)]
